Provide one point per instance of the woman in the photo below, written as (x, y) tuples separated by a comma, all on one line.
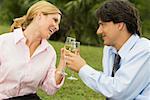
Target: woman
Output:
[(27, 60)]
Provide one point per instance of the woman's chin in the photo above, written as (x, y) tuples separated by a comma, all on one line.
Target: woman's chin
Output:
[(48, 36)]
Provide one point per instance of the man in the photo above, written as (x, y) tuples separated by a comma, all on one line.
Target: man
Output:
[(128, 77)]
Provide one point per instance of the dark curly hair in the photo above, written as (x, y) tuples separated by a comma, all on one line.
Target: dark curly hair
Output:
[(120, 11)]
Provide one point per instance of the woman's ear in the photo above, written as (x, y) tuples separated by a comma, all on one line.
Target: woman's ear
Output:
[(38, 16)]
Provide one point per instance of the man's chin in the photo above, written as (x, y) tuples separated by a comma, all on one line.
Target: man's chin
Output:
[(106, 44)]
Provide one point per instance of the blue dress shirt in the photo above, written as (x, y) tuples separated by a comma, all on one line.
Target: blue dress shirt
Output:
[(132, 79)]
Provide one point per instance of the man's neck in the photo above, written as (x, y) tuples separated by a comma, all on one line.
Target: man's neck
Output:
[(122, 40)]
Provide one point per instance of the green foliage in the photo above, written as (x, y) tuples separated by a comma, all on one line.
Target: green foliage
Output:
[(11, 9), (78, 18), (77, 90), (146, 29), (4, 29), (143, 7)]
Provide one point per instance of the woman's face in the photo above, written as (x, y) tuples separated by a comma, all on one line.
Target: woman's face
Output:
[(48, 24)]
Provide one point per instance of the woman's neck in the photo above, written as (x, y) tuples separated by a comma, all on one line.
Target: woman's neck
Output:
[(32, 36), (33, 39)]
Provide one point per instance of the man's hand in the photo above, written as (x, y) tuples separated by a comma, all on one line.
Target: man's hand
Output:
[(74, 61)]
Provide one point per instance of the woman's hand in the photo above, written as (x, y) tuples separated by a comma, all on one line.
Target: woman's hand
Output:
[(62, 62), (61, 66)]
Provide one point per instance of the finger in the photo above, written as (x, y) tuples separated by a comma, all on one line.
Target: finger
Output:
[(62, 49), (68, 63), (62, 53), (70, 54), (65, 50), (78, 53), (68, 58)]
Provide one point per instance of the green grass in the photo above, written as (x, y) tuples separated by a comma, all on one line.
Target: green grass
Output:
[(4, 29), (73, 90), (77, 90)]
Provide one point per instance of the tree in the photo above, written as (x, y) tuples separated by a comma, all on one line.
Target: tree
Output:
[(11, 9), (143, 7), (79, 21)]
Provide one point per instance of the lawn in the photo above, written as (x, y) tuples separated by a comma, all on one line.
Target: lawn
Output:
[(77, 90), (4, 28), (74, 90)]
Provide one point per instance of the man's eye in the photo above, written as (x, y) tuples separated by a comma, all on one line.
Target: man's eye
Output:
[(56, 20), (101, 23)]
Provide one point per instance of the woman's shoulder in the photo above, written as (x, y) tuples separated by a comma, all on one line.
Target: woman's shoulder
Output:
[(5, 35), (5, 38)]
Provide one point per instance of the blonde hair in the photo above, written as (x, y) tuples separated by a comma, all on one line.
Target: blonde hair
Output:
[(41, 6)]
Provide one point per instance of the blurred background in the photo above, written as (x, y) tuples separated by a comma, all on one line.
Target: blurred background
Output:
[(78, 18), (78, 21)]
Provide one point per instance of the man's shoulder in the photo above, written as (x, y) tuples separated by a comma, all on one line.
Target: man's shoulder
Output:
[(145, 41), (141, 47), (143, 44)]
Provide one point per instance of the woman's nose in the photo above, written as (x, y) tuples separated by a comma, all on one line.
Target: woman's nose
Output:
[(56, 27)]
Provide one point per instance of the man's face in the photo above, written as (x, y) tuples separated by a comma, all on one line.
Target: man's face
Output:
[(109, 31)]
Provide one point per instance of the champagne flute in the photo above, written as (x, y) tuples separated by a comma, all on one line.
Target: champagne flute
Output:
[(68, 42), (68, 46), (75, 48)]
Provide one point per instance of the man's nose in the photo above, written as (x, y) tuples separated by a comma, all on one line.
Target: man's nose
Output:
[(99, 30)]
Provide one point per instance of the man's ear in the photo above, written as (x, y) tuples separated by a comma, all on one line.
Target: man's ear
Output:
[(121, 26)]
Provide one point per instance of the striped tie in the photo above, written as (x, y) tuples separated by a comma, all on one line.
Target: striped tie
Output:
[(116, 66)]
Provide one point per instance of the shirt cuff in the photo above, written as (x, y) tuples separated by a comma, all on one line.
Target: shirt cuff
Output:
[(86, 71), (49, 84), (62, 82)]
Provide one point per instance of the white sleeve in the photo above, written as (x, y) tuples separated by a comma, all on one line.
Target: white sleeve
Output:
[(125, 84)]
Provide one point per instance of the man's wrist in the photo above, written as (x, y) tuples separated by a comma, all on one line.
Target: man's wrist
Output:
[(82, 67)]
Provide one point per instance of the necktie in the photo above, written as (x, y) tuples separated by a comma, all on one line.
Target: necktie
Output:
[(116, 64)]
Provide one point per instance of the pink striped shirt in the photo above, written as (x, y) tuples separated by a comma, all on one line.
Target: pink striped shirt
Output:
[(21, 74)]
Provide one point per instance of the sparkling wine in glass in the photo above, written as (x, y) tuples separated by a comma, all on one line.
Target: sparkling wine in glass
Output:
[(68, 42), (68, 45), (75, 48)]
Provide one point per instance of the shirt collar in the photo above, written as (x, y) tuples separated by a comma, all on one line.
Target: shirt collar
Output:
[(44, 44), (18, 35), (124, 50)]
